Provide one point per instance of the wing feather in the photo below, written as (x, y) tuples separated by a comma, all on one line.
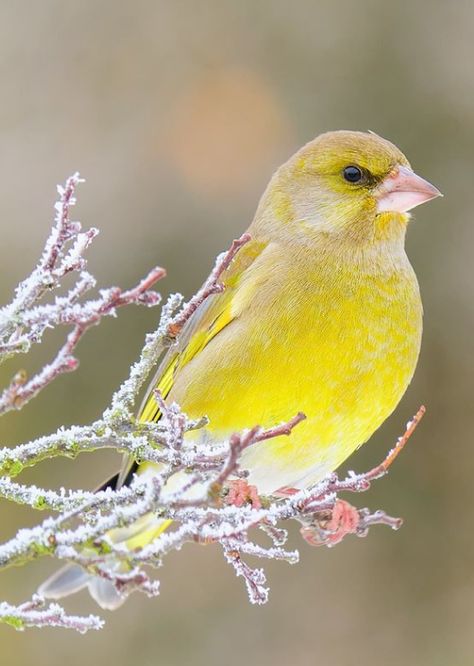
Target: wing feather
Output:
[(206, 323)]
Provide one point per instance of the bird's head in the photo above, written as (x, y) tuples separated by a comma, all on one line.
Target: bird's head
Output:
[(351, 184)]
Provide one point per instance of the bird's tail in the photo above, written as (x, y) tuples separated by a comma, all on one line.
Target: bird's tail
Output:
[(73, 578)]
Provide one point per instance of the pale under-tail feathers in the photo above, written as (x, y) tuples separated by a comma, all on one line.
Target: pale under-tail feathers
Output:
[(73, 578)]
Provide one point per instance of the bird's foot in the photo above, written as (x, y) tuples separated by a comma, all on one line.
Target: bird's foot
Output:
[(239, 492), (286, 491), (330, 527)]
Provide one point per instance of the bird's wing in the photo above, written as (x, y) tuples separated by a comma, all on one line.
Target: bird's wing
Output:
[(210, 318)]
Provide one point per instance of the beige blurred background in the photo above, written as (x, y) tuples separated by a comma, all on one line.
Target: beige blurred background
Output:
[(177, 113)]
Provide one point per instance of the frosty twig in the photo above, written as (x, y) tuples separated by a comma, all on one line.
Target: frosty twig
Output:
[(36, 613), (25, 320)]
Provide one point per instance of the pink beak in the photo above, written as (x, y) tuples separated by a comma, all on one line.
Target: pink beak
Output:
[(402, 190)]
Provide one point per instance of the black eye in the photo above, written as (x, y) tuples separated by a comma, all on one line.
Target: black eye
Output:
[(352, 174)]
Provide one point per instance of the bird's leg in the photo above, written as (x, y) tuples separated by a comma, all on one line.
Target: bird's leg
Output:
[(328, 528), (239, 492)]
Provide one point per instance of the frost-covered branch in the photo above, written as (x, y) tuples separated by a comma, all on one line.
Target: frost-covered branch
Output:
[(208, 500), (24, 321), (200, 512), (36, 613)]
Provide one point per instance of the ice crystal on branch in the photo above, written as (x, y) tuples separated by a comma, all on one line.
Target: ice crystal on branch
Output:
[(209, 500)]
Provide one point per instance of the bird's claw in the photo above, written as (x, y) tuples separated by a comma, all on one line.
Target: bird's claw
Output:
[(329, 528), (239, 492)]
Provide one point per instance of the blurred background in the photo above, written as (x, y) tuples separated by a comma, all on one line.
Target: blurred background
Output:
[(177, 113)]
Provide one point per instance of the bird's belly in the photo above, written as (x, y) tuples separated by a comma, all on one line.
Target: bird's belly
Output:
[(345, 362)]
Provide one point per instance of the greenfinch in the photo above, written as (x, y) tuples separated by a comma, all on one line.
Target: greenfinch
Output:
[(321, 314)]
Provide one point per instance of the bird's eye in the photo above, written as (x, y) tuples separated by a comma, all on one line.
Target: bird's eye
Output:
[(352, 174)]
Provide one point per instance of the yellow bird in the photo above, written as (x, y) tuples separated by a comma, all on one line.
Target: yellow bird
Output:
[(321, 314)]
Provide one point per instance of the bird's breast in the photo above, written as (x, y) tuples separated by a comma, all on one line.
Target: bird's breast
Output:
[(338, 341)]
